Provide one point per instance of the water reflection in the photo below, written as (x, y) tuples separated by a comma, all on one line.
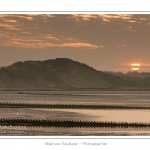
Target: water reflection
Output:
[(83, 97), (124, 115), (88, 131), (139, 98)]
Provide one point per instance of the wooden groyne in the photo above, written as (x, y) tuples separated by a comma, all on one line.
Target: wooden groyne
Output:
[(69, 123), (69, 106)]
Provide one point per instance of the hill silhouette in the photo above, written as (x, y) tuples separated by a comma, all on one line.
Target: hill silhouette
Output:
[(60, 74)]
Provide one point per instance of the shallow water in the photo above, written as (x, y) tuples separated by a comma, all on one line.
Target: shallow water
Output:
[(136, 98), (59, 131), (114, 115)]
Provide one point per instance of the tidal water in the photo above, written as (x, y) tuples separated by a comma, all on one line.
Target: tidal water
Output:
[(130, 98), (127, 98)]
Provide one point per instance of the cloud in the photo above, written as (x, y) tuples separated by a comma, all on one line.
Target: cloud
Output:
[(77, 45), (38, 31), (83, 17), (104, 17), (49, 36), (35, 43), (141, 64), (9, 20), (123, 45), (8, 26), (110, 17), (76, 30)]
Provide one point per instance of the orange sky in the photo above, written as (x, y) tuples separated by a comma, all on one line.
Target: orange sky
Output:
[(105, 42)]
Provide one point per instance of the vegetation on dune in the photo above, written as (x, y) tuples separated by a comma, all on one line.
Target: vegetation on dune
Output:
[(65, 74)]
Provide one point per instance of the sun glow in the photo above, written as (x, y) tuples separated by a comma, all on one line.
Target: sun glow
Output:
[(135, 66), (135, 69)]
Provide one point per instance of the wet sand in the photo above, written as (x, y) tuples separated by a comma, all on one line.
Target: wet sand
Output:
[(39, 131)]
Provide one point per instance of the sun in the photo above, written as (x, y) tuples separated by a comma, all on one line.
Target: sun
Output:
[(135, 66)]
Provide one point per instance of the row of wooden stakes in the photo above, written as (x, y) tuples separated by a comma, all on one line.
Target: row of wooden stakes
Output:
[(71, 106), (70, 123)]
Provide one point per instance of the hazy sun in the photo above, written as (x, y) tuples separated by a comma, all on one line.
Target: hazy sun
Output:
[(135, 66)]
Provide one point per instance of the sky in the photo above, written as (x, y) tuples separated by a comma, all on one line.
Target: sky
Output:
[(104, 42)]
